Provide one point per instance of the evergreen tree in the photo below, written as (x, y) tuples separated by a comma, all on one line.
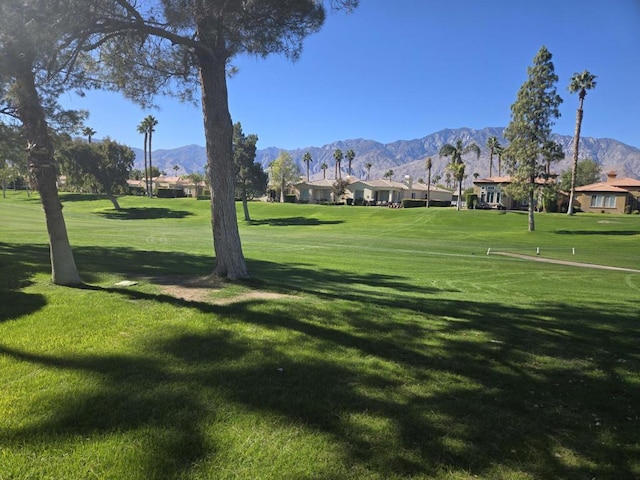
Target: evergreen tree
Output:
[(532, 116), (250, 178)]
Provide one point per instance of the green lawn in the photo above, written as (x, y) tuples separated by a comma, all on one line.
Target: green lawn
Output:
[(371, 343)]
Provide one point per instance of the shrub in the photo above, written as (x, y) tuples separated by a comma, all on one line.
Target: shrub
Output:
[(472, 200), (413, 203)]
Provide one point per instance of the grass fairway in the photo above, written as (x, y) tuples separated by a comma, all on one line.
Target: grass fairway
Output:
[(371, 343)]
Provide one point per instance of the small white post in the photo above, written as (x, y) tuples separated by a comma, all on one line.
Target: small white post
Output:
[(573, 251), (537, 250), (488, 251)]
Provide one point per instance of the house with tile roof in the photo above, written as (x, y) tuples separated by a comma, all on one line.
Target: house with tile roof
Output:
[(381, 192), (493, 192), (612, 196)]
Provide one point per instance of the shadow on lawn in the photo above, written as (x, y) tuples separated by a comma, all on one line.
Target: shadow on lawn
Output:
[(473, 388), (15, 275), (144, 213), (289, 221)]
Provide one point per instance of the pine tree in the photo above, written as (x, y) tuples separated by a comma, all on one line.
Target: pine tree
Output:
[(532, 116)]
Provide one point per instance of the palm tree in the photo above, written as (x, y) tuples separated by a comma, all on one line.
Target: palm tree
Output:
[(429, 165), (150, 122), (88, 132), (436, 179), (492, 145), (350, 156), (324, 167), (338, 156), (368, 167), (457, 167), (499, 151), (580, 82), (176, 168), (142, 129), (388, 174), (307, 159)]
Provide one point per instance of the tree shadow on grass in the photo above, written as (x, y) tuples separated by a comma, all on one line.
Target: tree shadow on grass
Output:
[(423, 399), (15, 275), (440, 385), (289, 221), (144, 213)]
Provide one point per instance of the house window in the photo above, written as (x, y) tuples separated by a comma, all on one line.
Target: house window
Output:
[(491, 191), (603, 201)]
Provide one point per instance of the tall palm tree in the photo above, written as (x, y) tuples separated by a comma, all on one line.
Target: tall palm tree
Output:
[(368, 167), (307, 159), (142, 129), (429, 165), (499, 152), (350, 156), (324, 167), (389, 174), (88, 132), (150, 123), (492, 145), (456, 165), (176, 168), (338, 156), (580, 82)]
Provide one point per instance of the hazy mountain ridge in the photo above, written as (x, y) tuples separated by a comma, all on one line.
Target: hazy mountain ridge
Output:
[(407, 157)]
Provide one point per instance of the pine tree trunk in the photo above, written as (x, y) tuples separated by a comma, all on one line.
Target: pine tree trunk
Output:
[(43, 173), (574, 167), (230, 260), (532, 225)]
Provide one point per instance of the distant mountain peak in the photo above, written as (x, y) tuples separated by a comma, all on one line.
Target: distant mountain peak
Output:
[(407, 157)]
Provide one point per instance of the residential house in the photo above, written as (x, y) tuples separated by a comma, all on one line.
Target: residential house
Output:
[(612, 196), (373, 192), (493, 192), (316, 191)]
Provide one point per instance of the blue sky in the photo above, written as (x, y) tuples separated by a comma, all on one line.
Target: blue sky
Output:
[(402, 69)]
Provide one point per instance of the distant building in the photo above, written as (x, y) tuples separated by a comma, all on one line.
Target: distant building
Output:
[(613, 196), (379, 192)]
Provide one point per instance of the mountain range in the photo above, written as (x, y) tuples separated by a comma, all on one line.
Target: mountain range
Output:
[(407, 157)]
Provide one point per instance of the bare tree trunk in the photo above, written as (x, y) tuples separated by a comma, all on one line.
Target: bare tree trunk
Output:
[(146, 165), (112, 198), (532, 225), (429, 188), (574, 167), (230, 260), (150, 167), (43, 173), (245, 207)]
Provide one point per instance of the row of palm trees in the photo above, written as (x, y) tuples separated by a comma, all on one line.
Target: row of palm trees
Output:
[(338, 157)]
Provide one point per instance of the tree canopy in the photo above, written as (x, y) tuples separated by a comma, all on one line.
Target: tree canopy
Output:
[(106, 163), (284, 173)]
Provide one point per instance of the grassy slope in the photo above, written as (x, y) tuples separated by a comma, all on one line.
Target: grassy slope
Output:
[(400, 349)]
